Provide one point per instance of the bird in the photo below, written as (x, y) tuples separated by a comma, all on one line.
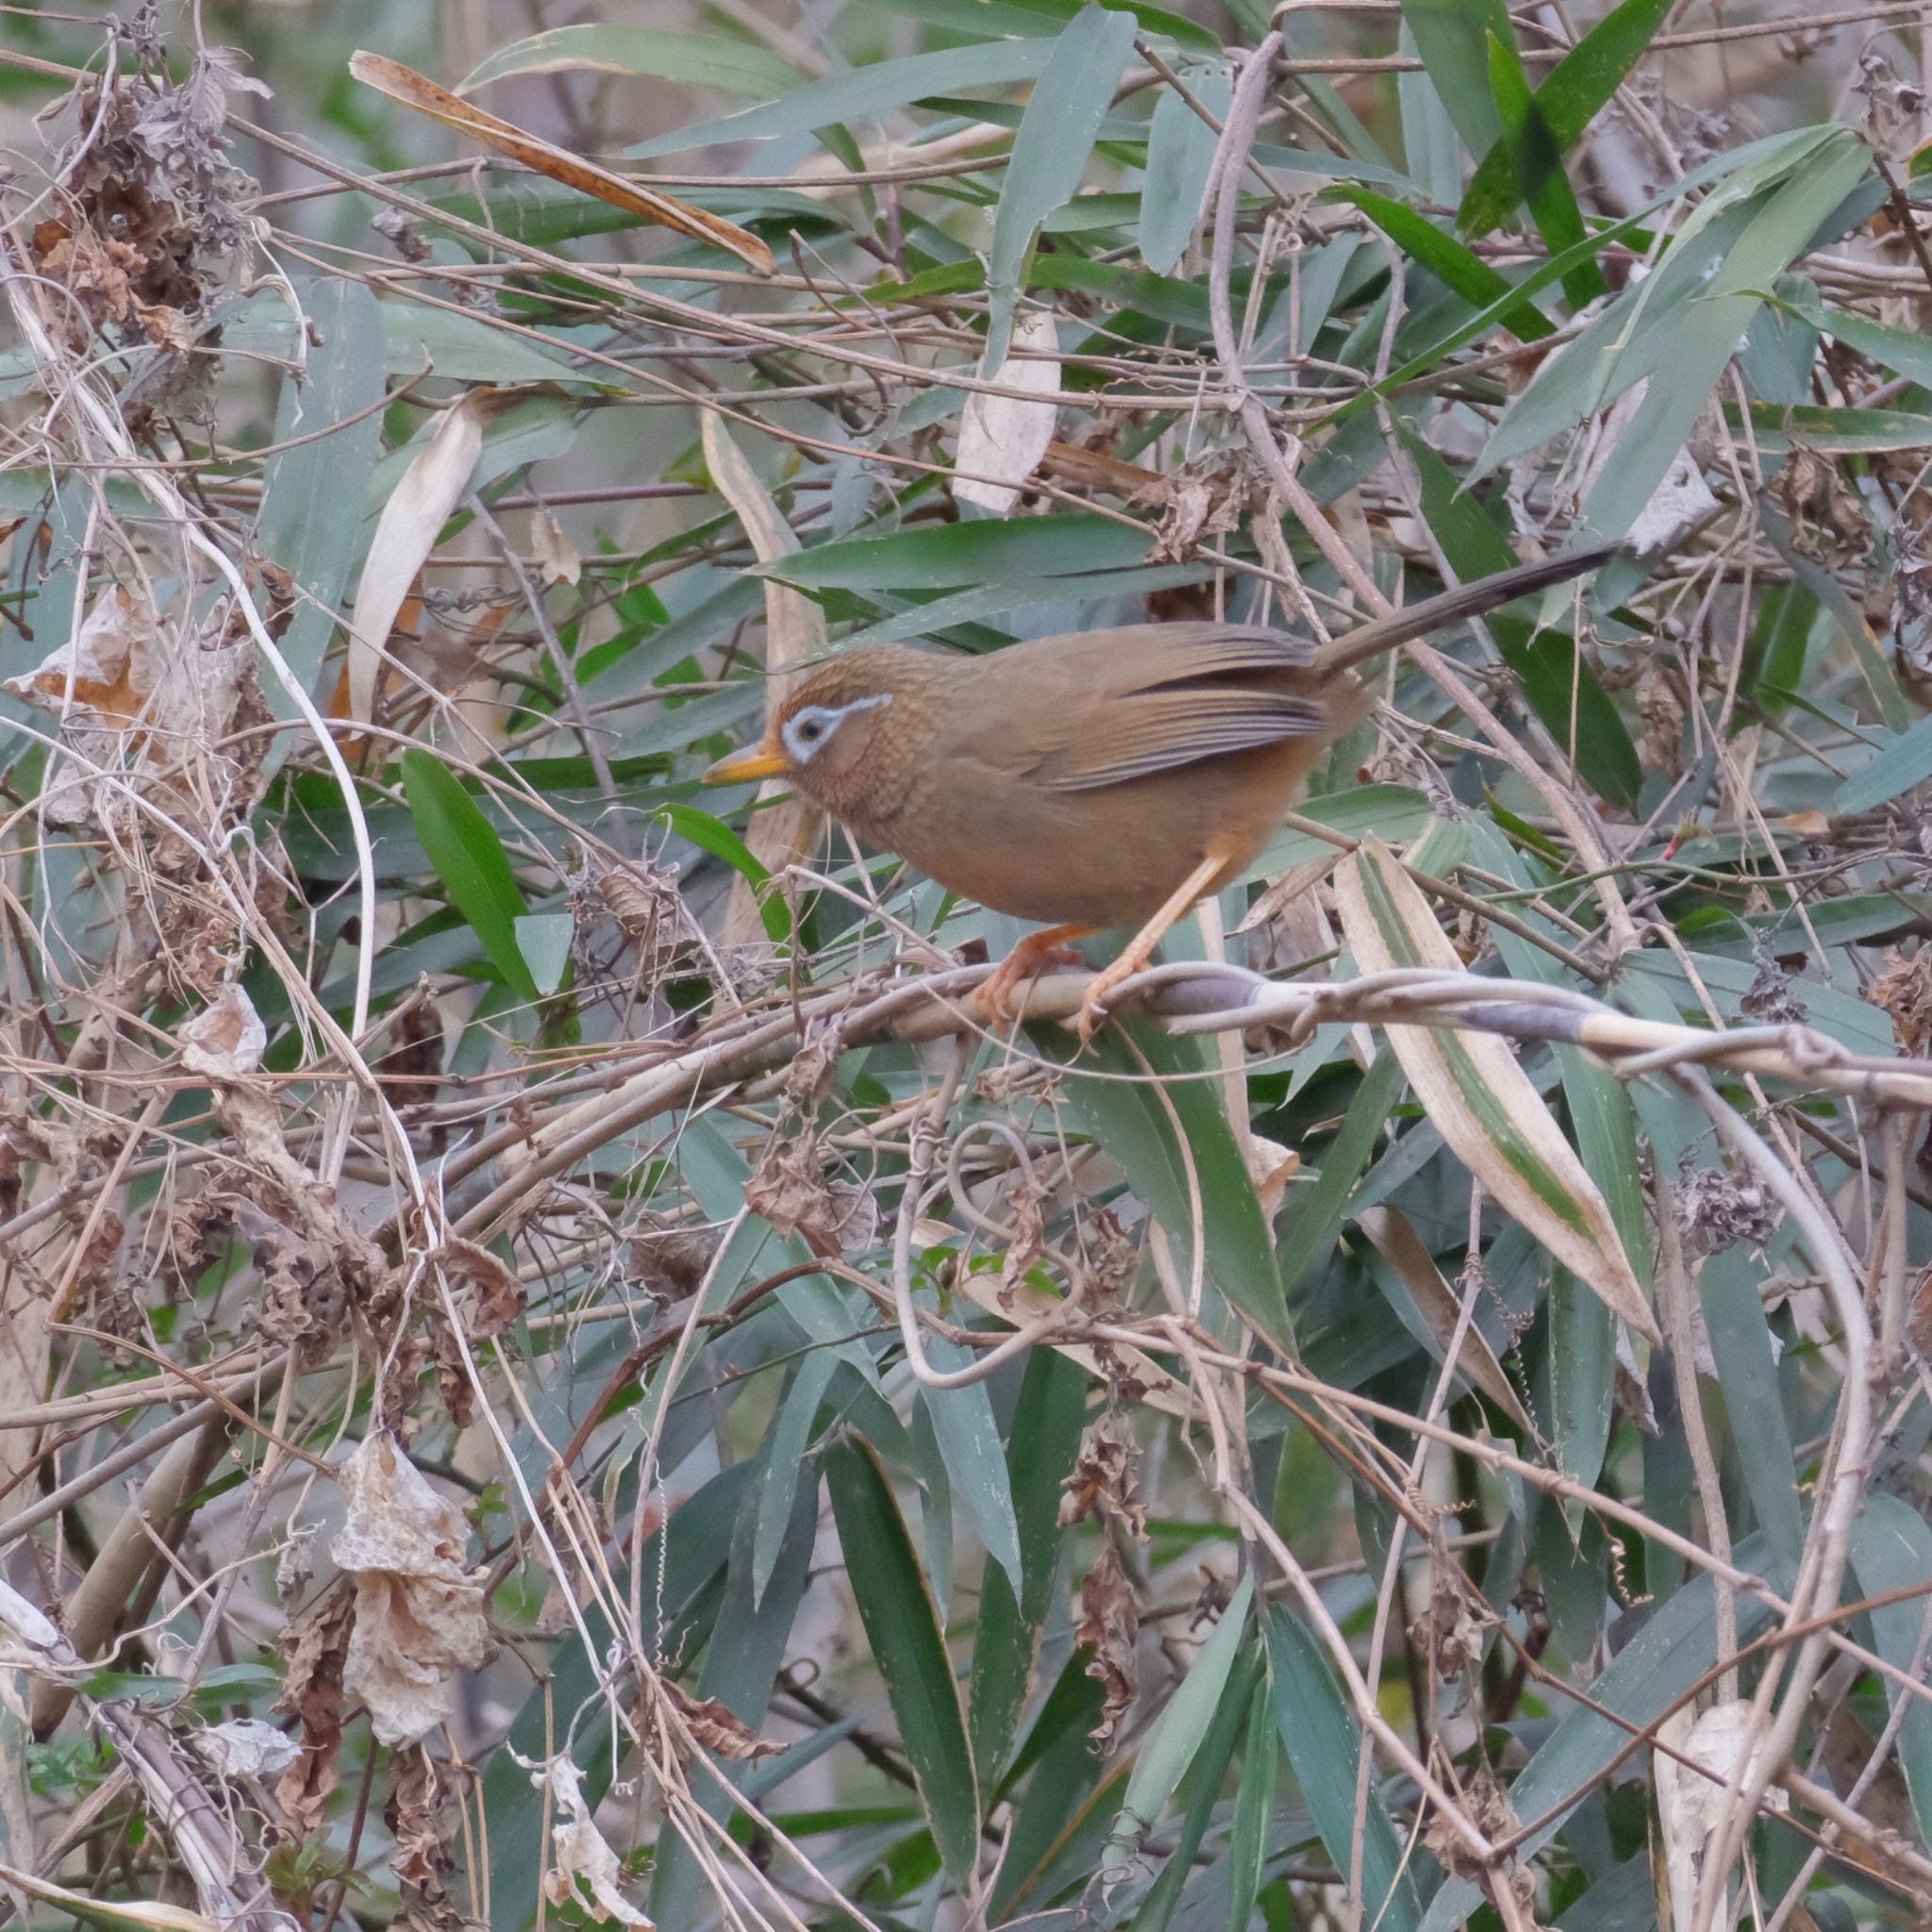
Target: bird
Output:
[(1094, 780)]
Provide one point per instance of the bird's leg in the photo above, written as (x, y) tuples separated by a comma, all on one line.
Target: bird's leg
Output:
[(1141, 947), (1034, 954)]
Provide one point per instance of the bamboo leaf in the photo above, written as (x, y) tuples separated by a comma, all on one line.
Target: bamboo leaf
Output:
[(903, 1629), (1478, 1098), (470, 860), (1050, 151), (1323, 1744)]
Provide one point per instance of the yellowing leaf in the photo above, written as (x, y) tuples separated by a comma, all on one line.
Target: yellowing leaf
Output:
[(1479, 1100), (419, 91), (406, 532)]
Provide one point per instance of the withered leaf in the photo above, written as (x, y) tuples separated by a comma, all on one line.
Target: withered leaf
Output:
[(1109, 1625), (317, 1647), (715, 1728), (789, 1190), (1102, 1484)]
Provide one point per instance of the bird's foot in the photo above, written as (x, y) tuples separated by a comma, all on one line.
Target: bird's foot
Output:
[(1105, 983), (1033, 955)]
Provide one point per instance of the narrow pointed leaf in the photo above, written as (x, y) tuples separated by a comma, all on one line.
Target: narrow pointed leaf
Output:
[(1478, 1098), (902, 1626)]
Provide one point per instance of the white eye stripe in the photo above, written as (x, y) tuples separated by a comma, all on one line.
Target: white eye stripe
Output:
[(809, 728)]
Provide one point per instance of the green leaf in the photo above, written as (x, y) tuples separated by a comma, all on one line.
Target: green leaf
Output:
[(714, 836), (744, 1652), (1452, 37), (954, 554), (1901, 349), (1730, 1286), (470, 860), (1567, 695), (1046, 1438), (1209, 1771), (1562, 688), (784, 1461), (465, 348), (1051, 151), (862, 93), (985, 19), (683, 1561), (1892, 1549), (1686, 341), (738, 67), (311, 503), (903, 1629), (1904, 762), (969, 1441), (1323, 1744), (1129, 1117), (1254, 1806), (1057, 1752), (1574, 92), (545, 938), (1537, 160), (1176, 1735), (1833, 432), (1640, 333), (1180, 150), (1451, 263), (1320, 1210)]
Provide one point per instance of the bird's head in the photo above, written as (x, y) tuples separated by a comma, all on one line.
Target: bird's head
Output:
[(836, 738)]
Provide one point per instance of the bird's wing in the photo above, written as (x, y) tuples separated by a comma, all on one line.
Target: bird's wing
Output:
[(1133, 736)]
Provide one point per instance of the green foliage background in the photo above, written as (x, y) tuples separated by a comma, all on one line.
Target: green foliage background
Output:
[(404, 1061)]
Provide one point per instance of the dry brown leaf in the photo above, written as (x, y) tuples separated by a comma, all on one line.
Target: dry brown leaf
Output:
[(1102, 1484), (559, 559), (109, 667), (789, 1190), (419, 1812), (420, 1620), (1690, 1803), (417, 91), (1002, 438), (317, 1647), (487, 1299), (1110, 1626), (406, 533), (1205, 497), (715, 1728), (583, 1855), (226, 1041)]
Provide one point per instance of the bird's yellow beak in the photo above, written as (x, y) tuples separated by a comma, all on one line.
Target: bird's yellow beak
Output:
[(747, 767)]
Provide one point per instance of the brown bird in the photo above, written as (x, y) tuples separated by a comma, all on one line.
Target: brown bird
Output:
[(1105, 778)]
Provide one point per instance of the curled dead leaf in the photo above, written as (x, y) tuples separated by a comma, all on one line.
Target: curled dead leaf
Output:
[(584, 1862), (226, 1041), (1110, 1626), (789, 1190), (1102, 1484), (715, 1728), (420, 1621)]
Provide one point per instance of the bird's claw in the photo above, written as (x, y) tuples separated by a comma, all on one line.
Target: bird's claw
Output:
[(1093, 1018), (999, 996), (1093, 1014)]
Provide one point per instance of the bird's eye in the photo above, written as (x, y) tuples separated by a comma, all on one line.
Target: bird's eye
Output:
[(811, 729)]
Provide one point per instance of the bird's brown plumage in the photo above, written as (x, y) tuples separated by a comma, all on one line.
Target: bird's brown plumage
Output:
[(1074, 779), (1098, 779)]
